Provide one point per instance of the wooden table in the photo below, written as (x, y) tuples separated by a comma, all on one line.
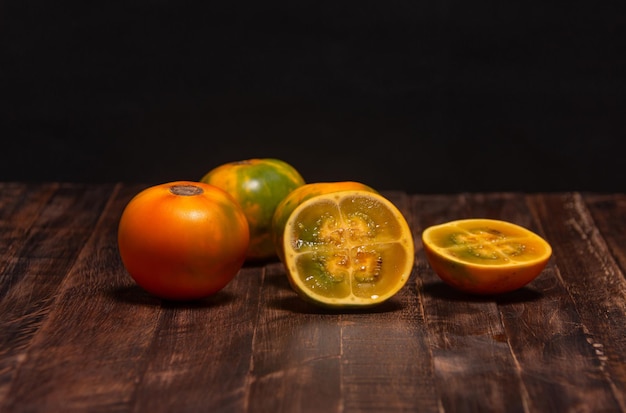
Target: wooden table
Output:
[(76, 334)]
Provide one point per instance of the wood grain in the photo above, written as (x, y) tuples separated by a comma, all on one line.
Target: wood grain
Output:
[(77, 335)]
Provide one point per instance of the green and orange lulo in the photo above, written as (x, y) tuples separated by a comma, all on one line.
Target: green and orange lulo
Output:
[(259, 185)]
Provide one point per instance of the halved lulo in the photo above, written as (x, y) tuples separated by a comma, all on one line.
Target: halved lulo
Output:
[(485, 256), (347, 248)]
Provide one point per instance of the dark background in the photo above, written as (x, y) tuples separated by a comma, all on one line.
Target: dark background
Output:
[(425, 96)]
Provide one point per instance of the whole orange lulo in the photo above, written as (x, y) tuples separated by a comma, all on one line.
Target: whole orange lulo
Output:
[(183, 240)]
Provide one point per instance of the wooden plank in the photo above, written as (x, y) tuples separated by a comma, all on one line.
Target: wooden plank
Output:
[(596, 284), (386, 361), (63, 218), (20, 206), (201, 354), (296, 352), (546, 335), (473, 367), (608, 212), (73, 325)]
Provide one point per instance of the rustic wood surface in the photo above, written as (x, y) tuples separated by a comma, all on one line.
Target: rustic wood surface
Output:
[(76, 334)]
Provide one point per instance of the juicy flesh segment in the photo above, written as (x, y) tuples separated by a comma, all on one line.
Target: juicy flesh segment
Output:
[(487, 245)]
